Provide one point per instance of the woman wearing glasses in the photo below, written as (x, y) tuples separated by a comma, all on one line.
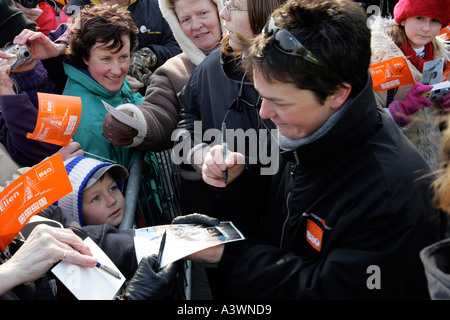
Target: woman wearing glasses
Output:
[(220, 92)]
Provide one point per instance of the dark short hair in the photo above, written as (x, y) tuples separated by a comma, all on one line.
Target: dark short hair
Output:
[(99, 23), (335, 31)]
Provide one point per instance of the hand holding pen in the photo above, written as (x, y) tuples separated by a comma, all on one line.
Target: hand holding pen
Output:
[(218, 171)]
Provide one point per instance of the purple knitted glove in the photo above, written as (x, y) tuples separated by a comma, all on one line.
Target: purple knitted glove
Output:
[(445, 102), (414, 101)]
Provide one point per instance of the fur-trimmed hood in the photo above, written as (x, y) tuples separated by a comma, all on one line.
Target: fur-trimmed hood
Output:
[(189, 48)]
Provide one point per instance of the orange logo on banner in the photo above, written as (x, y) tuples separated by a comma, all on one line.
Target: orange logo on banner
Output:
[(390, 74), (446, 73), (39, 187), (314, 235), (58, 118), (446, 31)]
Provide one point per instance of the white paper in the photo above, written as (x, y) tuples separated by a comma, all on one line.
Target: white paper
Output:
[(182, 240), (90, 283), (123, 117)]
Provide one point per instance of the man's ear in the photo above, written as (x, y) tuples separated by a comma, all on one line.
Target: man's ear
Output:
[(340, 96)]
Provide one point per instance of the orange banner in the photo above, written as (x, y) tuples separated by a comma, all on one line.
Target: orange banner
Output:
[(446, 31), (446, 74), (58, 118), (39, 187), (390, 74)]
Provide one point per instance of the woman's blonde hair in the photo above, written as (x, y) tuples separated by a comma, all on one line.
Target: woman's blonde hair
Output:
[(441, 184), (259, 12)]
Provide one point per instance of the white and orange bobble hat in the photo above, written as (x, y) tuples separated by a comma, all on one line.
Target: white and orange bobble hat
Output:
[(84, 172)]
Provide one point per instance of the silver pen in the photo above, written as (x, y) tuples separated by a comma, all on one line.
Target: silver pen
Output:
[(94, 155), (108, 270)]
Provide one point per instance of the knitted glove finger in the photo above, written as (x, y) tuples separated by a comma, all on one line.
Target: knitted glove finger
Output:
[(149, 57), (396, 111), (143, 58), (415, 100), (445, 102), (147, 78), (140, 64)]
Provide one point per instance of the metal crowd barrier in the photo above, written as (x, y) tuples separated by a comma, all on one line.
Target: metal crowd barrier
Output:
[(171, 175)]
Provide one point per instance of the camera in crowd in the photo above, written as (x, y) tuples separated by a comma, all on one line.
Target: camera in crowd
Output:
[(29, 3), (21, 53), (439, 91)]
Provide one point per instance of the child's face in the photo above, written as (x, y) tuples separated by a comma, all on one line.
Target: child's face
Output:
[(103, 202), (421, 30)]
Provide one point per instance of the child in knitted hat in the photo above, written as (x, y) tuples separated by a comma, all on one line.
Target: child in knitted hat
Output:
[(97, 191), (413, 34)]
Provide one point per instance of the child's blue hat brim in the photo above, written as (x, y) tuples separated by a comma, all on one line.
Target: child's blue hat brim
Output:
[(117, 172)]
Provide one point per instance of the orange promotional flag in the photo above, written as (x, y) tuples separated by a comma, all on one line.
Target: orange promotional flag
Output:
[(446, 74), (390, 74), (39, 187), (58, 118), (446, 31)]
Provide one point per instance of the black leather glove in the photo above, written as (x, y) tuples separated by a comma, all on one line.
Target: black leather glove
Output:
[(147, 284), (196, 218)]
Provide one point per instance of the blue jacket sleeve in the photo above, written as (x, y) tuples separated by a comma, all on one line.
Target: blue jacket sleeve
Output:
[(18, 117)]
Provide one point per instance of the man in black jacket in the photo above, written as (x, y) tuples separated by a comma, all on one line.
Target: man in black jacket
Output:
[(351, 206)]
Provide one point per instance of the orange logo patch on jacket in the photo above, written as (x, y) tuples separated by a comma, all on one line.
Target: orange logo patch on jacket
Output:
[(314, 234)]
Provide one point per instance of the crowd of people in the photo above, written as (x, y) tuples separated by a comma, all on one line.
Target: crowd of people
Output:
[(359, 175)]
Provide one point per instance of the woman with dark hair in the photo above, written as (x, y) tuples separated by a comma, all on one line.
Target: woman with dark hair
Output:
[(100, 44)]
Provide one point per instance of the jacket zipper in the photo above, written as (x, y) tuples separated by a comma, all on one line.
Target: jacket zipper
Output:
[(286, 220), (297, 161)]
